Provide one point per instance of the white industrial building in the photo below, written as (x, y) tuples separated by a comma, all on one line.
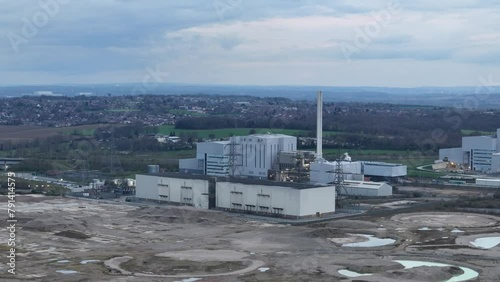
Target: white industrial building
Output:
[(383, 169), (250, 156), (366, 189), (283, 199), (477, 153), (490, 183), (279, 198), (324, 172)]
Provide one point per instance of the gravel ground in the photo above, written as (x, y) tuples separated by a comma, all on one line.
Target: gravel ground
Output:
[(55, 234)]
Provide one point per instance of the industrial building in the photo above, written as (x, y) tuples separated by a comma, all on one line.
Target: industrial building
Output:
[(275, 157), (490, 183), (235, 176), (477, 153), (262, 197), (324, 172), (250, 156), (366, 189)]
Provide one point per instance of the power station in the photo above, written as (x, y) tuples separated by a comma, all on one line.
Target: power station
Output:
[(265, 174)]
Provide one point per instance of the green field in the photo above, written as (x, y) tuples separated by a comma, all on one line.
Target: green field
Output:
[(228, 132), (80, 132), (385, 153), (471, 132)]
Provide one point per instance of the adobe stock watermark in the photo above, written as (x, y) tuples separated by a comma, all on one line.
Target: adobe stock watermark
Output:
[(366, 34), (150, 81), (221, 7), (32, 25), (455, 116)]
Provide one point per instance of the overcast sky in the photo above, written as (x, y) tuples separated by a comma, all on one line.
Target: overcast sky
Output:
[(261, 42)]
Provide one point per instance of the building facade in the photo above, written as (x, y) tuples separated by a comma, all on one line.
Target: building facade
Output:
[(254, 196), (476, 153), (250, 156)]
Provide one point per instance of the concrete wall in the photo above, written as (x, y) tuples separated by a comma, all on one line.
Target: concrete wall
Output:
[(494, 183), (190, 166), (284, 200), (317, 200), (495, 162), (259, 153), (212, 148), (455, 155), (259, 196), (384, 169), (173, 190), (368, 189), (479, 142)]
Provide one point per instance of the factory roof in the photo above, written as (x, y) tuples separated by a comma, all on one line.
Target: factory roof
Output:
[(247, 181), (364, 184), (214, 142), (382, 164), (269, 135)]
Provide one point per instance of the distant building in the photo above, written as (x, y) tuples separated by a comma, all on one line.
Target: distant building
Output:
[(477, 153)]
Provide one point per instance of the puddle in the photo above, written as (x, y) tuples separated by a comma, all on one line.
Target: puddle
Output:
[(67, 271), (188, 280), (467, 275), (424, 229), (353, 274), (63, 261), (263, 269), (486, 242), (89, 261), (372, 242), (455, 230)]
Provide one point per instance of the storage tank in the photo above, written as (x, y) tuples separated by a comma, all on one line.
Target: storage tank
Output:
[(153, 169)]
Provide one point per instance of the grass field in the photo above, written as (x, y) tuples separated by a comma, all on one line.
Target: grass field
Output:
[(228, 132), (470, 132), (20, 133), (386, 153)]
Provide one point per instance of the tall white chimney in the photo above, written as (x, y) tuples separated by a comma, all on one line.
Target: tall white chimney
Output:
[(319, 128)]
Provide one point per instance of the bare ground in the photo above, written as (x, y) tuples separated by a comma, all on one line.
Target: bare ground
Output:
[(175, 243)]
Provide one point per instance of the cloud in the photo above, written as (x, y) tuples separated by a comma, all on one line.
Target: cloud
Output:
[(276, 42)]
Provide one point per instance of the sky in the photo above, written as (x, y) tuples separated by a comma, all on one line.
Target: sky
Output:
[(250, 42)]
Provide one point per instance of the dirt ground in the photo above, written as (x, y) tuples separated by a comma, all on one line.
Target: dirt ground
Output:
[(106, 241)]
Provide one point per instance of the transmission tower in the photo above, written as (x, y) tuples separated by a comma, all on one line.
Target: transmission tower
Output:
[(235, 157), (340, 189)]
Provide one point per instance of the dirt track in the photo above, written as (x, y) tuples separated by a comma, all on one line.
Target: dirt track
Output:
[(213, 245)]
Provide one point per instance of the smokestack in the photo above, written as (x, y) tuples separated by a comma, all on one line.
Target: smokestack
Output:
[(319, 128)]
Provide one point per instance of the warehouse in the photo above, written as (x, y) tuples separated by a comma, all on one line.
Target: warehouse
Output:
[(383, 170), (175, 188), (286, 199), (263, 197), (366, 189), (490, 183)]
